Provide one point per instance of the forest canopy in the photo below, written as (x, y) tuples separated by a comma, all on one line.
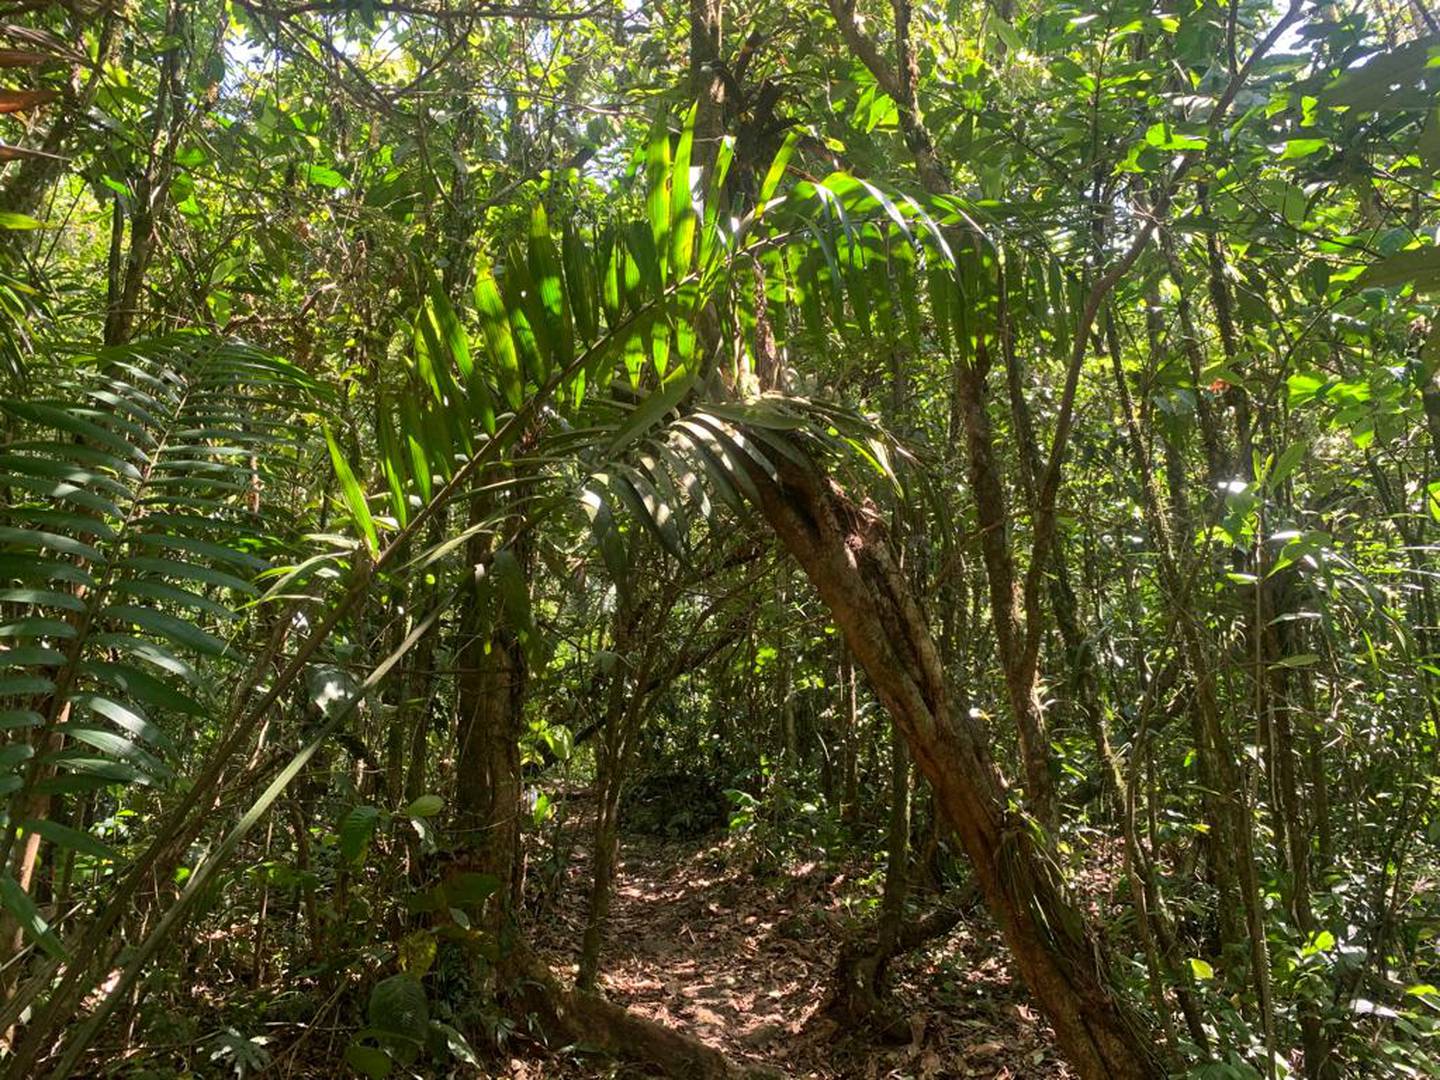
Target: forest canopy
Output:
[(836, 539)]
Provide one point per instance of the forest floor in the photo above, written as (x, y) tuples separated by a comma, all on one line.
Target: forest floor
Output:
[(744, 962)]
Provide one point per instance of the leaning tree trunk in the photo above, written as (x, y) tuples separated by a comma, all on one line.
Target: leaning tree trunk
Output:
[(844, 551)]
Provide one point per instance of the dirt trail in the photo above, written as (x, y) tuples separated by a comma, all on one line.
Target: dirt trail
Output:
[(744, 964)]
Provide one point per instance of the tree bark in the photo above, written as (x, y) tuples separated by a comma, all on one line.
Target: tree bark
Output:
[(707, 83), (612, 760), (151, 188), (490, 704), (993, 516), (850, 720), (487, 797)]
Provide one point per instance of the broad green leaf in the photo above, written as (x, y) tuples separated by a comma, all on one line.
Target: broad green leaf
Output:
[(1004, 31), (469, 890), (580, 281), (659, 178), (1163, 136), (369, 1061), (149, 651), (529, 327), (650, 410), (137, 761), (398, 1007), (182, 571), (356, 829), (450, 333), (547, 277), (514, 590), (1301, 148), (31, 656), (38, 540), (391, 462), (122, 716), (324, 176), (456, 1043), (1383, 80), (425, 806), (1288, 462), (37, 626), (412, 428), (160, 592), (682, 201), (15, 754), (776, 172), (169, 627), (143, 687), (71, 420), (193, 545)]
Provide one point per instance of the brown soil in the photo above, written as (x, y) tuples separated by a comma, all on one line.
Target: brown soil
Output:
[(743, 963)]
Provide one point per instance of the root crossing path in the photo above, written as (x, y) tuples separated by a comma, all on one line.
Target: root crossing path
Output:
[(743, 961)]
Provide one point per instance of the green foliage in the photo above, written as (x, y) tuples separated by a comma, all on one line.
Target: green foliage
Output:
[(538, 363)]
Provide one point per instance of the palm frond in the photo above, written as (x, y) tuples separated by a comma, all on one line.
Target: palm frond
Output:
[(135, 523)]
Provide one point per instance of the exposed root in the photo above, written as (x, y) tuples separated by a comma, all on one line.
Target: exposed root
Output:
[(571, 1016), (859, 996)]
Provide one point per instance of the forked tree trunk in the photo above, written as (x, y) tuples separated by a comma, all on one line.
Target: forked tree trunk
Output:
[(845, 553)]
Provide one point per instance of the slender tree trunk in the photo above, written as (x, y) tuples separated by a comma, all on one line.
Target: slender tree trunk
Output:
[(860, 978), (1084, 682), (611, 754), (307, 883), (151, 189), (850, 710), (1231, 805), (1277, 642), (36, 805), (784, 671), (1017, 660), (1235, 396), (420, 689), (490, 693), (995, 547)]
